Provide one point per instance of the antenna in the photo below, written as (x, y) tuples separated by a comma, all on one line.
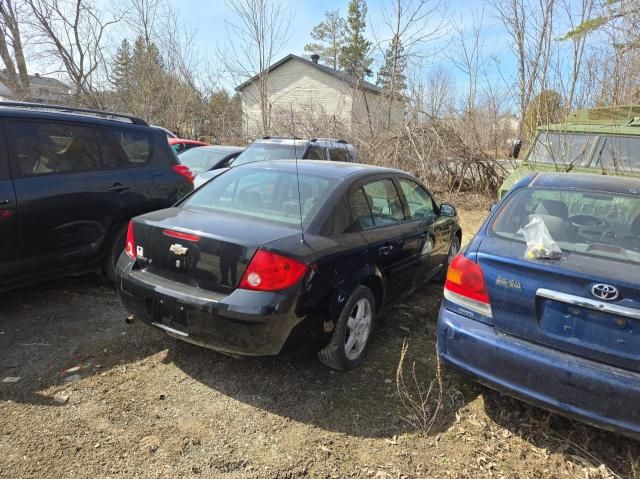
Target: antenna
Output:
[(295, 149)]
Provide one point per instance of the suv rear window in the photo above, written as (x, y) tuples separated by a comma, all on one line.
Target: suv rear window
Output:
[(43, 148), (264, 194), (582, 222), (136, 145)]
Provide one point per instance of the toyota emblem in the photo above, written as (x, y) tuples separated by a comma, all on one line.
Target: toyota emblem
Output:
[(605, 292)]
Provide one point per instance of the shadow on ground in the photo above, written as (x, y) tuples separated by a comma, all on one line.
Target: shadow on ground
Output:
[(49, 328), (73, 326)]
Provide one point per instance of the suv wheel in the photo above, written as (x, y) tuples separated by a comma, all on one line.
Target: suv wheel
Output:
[(351, 335), (115, 249)]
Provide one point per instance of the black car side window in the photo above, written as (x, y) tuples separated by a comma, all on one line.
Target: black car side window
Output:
[(384, 202), (419, 201), (360, 212), (136, 145), (43, 148)]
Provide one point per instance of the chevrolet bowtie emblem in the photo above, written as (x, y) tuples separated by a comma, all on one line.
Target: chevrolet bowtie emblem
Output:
[(178, 249)]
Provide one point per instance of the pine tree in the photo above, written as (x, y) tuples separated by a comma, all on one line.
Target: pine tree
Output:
[(354, 55), (330, 33), (391, 77), (122, 64)]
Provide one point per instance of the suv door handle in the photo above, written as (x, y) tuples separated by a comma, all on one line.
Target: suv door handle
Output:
[(4, 202), (386, 249), (118, 187)]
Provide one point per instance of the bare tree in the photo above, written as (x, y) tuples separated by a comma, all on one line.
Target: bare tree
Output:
[(12, 52), (411, 25), (72, 34), (530, 26), (258, 34)]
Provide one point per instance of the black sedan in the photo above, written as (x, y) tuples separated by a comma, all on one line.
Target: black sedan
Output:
[(276, 255)]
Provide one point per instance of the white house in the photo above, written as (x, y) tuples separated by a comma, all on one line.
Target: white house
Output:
[(43, 90), (304, 87)]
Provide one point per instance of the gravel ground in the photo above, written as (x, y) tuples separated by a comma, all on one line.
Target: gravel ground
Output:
[(99, 398)]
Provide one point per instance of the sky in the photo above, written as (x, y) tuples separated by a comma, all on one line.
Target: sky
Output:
[(207, 20)]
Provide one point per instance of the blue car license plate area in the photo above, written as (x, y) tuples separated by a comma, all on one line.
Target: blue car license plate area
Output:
[(614, 334), (170, 314)]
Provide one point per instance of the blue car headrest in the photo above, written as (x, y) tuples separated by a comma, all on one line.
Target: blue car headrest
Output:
[(553, 208)]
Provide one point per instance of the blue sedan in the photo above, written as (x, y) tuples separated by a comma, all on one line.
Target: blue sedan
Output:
[(560, 331)]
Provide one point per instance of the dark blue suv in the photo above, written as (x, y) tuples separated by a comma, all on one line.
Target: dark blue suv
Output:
[(70, 180)]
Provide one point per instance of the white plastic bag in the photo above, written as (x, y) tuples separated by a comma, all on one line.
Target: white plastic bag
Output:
[(540, 244)]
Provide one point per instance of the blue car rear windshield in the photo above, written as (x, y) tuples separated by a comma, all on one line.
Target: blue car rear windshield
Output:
[(264, 194), (598, 224)]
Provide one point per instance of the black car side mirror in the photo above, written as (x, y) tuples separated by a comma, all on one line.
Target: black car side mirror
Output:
[(447, 210)]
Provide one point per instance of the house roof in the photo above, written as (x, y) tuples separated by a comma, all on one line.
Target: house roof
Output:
[(38, 80), (343, 76)]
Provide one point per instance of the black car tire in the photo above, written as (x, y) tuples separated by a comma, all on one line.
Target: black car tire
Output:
[(334, 354), (454, 249), (115, 249)]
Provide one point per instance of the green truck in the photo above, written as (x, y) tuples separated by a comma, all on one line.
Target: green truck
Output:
[(604, 141)]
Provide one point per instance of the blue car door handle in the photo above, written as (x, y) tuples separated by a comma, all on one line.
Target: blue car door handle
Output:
[(5, 202), (386, 249)]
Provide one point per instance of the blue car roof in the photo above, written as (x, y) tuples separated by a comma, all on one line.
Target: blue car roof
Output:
[(604, 183)]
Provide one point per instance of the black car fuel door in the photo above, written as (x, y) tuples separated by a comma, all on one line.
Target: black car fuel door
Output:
[(10, 251)]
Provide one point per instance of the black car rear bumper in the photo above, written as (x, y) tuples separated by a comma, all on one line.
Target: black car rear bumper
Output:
[(252, 323)]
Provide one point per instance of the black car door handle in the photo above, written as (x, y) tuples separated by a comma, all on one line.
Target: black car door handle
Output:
[(4, 202), (118, 187), (386, 249)]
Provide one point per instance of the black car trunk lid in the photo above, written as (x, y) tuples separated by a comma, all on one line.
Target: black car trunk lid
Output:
[(203, 249)]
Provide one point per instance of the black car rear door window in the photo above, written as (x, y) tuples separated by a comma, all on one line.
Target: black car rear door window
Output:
[(418, 200), (360, 211), (43, 148), (384, 202)]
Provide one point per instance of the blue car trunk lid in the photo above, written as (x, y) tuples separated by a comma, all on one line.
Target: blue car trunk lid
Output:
[(551, 302)]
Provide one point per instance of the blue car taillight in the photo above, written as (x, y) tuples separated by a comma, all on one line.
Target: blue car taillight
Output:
[(466, 288)]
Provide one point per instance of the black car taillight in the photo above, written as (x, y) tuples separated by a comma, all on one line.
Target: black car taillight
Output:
[(130, 246), (271, 272)]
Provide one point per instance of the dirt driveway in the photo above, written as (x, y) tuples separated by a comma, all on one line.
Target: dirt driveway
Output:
[(143, 405)]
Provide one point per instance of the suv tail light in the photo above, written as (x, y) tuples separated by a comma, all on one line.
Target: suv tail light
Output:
[(130, 245), (184, 171), (271, 272), (466, 286)]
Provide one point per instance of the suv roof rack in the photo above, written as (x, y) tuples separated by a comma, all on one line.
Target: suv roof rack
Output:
[(329, 139), (68, 109), (280, 138)]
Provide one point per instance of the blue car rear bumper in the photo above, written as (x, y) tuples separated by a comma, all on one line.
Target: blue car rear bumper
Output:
[(591, 392)]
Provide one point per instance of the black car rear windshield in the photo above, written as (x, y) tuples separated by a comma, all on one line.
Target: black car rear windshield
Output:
[(264, 194), (585, 222), (269, 151)]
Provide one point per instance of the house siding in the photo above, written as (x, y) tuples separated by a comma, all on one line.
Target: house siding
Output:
[(297, 87), (368, 106)]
